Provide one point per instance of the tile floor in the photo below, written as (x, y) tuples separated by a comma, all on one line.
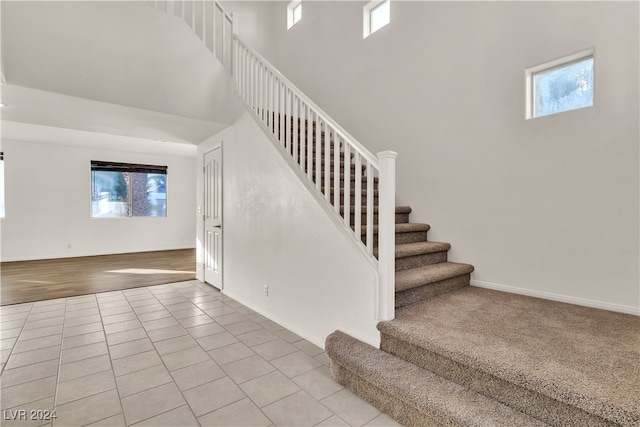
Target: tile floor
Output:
[(181, 354)]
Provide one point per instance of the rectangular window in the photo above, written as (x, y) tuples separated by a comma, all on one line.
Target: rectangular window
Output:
[(379, 16), (376, 14), (127, 190), (297, 13), (294, 13), (561, 85), (1, 185)]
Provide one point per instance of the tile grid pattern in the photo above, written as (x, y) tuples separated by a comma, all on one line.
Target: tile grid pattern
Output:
[(177, 354)]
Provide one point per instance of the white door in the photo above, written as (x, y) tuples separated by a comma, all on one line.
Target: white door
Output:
[(213, 217)]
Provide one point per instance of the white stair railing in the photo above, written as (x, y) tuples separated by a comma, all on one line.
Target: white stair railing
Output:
[(209, 21), (331, 159)]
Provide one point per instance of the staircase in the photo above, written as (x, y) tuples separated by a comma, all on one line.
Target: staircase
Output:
[(450, 354), (463, 356)]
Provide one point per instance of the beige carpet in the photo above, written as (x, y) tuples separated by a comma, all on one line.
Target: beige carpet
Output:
[(582, 357)]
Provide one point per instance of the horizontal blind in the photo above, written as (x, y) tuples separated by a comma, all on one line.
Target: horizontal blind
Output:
[(102, 166)]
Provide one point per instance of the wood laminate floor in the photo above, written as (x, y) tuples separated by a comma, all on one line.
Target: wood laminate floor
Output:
[(28, 281)]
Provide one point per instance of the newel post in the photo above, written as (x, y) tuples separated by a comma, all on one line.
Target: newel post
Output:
[(387, 235)]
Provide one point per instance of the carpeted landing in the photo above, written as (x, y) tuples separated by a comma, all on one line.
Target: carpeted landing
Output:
[(477, 357)]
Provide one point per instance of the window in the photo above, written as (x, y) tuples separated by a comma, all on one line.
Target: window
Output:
[(127, 190), (294, 13), (561, 85), (1, 185), (376, 15)]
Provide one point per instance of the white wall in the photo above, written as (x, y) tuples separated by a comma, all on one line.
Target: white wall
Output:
[(276, 234), (120, 52), (548, 206), (255, 25), (48, 203)]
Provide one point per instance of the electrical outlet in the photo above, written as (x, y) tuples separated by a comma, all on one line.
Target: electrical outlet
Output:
[(266, 290)]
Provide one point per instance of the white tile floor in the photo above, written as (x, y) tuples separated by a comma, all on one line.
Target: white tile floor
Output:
[(181, 354)]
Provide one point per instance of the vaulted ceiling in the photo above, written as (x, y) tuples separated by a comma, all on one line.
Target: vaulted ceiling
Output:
[(119, 68)]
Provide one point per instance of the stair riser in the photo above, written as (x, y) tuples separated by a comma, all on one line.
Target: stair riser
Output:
[(527, 401), (352, 184), (341, 175), (421, 293), (400, 218), (363, 198), (420, 260), (332, 169), (318, 155), (352, 198), (415, 236), (314, 147), (402, 412), (315, 155)]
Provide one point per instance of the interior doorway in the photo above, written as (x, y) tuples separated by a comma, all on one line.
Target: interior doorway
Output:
[(213, 217)]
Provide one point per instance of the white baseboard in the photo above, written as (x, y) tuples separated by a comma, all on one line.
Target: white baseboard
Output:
[(557, 297), (319, 341)]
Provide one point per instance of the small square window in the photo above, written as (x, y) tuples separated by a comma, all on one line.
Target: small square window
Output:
[(297, 13), (379, 16), (561, 85), (376, 15), (294, 13)]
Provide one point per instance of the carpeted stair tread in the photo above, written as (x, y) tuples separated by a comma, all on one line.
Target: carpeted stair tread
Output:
[(582, 357), (413, 389), (408, 227), (399, 209), (421, 276), (405, 250), (403, 209), (363, 208)]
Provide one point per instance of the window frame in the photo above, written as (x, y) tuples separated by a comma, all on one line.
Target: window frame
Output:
[(531, 72), (129, 168), (291, 13), (367, 16), (2, 192)]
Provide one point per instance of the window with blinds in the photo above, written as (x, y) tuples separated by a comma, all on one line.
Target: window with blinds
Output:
[(124, 190)]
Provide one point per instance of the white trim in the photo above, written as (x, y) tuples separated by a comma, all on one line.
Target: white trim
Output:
[(364, 152), (531, 71), (366, 16), (558, 297), (316, 340), (291, 13), (216, 146)]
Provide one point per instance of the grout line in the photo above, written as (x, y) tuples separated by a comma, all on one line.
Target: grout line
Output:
[(169, 371), (190, 294), (11, 353), (55, 396), (113, 372)]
